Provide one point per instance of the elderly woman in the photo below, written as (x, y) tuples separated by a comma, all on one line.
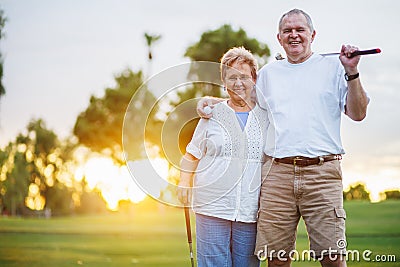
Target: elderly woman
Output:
[(221, 168)]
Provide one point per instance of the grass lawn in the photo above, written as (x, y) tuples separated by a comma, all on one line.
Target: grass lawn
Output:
[(158, 238)]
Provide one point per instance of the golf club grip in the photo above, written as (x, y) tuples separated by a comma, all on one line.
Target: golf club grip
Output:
[(365, 52), (188, 228)]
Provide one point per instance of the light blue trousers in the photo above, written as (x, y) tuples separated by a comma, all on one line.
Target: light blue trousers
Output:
[(223, 243)]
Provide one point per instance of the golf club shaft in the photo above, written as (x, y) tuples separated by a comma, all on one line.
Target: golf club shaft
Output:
[(188, 228), (189, 234), (191, 254)]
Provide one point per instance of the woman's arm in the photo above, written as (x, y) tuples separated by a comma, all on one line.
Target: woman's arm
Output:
[(188, 167)]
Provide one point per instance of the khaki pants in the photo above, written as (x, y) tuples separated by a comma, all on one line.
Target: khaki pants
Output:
[(313, 192)]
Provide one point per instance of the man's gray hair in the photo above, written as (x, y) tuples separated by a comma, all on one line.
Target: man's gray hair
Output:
[(297, 11)]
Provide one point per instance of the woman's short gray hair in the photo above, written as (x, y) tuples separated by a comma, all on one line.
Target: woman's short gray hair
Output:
[(238, 55)]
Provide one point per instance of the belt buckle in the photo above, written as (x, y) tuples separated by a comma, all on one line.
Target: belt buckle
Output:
[(296, 159)]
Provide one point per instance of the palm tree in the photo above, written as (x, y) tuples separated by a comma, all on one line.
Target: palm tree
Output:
[(150, 40)]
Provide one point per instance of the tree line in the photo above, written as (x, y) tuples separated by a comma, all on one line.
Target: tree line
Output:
[(37, 168)]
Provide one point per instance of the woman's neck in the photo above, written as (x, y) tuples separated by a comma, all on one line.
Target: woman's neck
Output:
[(240, 106)]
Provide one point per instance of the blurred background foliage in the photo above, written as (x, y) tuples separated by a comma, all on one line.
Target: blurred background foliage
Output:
[(37, 169)]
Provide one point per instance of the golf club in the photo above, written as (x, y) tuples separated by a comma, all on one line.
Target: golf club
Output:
[(355, 53), (189, 233)]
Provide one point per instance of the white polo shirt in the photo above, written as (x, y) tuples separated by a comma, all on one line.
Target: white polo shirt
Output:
[(306, 101)]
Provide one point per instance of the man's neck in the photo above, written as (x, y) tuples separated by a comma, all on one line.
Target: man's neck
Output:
[(300, 58)]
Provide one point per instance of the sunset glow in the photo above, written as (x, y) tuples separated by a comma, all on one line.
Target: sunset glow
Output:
[(34, 200), (114, 182)]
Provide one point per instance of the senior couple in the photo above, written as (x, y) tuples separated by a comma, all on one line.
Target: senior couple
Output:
[(255, 167)]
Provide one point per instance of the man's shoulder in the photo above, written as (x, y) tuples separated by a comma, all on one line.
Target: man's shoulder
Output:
[(270, 66), (330, 60)]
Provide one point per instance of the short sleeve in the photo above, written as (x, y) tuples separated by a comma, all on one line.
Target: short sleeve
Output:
[(343, 89), (260, 87), (197, 146)]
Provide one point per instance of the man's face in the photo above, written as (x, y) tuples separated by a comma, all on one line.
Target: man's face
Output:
[(295, 37)]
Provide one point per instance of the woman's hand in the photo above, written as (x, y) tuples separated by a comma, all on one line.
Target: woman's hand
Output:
[(184, 192), (188, 166), (205, 106)]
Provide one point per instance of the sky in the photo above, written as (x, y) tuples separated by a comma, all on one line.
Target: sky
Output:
[(58, 53)]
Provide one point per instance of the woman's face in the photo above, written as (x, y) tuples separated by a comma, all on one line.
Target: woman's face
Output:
[(239, 82)]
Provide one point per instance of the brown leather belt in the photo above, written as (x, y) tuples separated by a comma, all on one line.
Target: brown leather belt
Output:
[(304, 161)]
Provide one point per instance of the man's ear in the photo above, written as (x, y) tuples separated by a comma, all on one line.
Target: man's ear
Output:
[(279, 38), (313, 35)]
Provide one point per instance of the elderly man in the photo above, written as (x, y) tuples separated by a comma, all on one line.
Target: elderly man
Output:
[(306, 94)]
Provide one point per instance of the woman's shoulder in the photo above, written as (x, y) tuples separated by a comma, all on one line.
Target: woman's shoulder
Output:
[(223, 103), (222, 112), (220, 107)]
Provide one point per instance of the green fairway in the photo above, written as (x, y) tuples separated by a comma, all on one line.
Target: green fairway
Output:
[(158, 238)]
